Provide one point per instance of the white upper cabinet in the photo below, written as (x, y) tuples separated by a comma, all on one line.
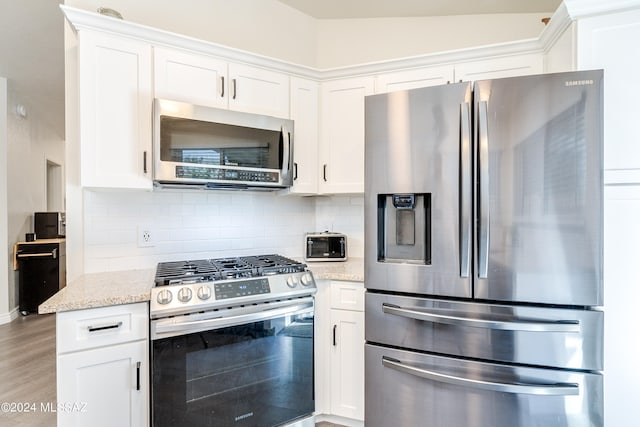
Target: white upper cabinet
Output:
[(610, 42), (496, 68), (115, 94), (416, 78), (187, 77), (257, 90), (304, 113), (342, 134), (206, 80)]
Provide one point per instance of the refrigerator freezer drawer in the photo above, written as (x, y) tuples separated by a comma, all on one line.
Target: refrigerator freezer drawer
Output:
[(562, 338), (405, 388)]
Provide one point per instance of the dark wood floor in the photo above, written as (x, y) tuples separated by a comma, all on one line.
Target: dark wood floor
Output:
[(28, 371)]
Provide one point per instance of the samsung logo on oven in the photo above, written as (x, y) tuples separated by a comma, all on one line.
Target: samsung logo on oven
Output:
[(244, 416), (578, 82)]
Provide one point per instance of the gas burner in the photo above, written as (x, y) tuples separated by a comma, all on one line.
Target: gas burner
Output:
[(193, 271)]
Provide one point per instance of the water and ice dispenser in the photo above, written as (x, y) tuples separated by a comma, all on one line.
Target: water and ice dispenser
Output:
[(404, 228)]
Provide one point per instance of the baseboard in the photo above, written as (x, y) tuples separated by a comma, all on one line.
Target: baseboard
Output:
[(342, 421), (8, 317)]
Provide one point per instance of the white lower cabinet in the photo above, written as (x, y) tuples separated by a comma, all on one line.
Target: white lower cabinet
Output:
[(347, 364), (346, 354), (103, 366)]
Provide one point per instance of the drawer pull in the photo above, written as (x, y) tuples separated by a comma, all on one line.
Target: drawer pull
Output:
[(104, 327)]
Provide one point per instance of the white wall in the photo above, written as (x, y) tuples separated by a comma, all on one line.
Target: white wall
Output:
[(191, 225), (343, 42), (343, 214), (5, 251), (30, 142), (265, 27)]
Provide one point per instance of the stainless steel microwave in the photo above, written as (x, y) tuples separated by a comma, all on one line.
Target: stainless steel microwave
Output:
[(325, 246), (214, 148)]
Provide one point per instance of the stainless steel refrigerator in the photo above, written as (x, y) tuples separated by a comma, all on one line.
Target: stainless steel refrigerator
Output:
[(483, 254)]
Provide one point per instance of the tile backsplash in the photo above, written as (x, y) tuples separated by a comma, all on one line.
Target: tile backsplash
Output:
[(209, 224)]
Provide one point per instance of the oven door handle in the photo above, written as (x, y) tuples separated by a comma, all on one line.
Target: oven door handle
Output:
[(177, 326)]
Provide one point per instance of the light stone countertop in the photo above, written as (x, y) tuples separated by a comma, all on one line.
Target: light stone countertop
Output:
[(101, 290), (131, 286), (351, 270)]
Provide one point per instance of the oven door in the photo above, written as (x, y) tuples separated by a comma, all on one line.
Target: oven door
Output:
[(252, 367)]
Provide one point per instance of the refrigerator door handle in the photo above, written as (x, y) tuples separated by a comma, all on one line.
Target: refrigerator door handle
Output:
[(558, 389), (465, 189), (525, 325), (483, 166)]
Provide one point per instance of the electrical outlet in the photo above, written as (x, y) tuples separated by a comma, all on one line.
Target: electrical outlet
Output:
[(145, 237)]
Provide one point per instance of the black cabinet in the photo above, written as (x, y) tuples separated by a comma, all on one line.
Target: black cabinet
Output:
[(41, 272)]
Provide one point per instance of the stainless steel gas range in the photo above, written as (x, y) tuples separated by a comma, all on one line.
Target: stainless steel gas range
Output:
[(232, 342)]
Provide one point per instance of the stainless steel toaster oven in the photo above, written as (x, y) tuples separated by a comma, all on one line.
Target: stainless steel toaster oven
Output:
[(325, 246)]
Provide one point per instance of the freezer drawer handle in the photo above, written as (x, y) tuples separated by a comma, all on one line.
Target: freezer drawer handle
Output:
[(528, 325), (557, 389)]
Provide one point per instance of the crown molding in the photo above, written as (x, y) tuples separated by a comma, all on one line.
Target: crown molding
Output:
[(81, 19), (567, 12), (586, 8)]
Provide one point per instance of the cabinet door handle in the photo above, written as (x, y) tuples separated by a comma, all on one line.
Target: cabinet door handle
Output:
[(335, 327), (324, 172), (144, 161), (235, 89), (138, 376), (104, 327), (295, 171), (222, 84)]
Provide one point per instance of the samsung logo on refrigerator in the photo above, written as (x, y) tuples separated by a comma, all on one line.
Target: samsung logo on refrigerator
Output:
[(578, 82)]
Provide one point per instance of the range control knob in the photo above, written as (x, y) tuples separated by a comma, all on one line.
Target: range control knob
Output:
[(204, 292), (164, 297), (292, 281), (307, 279), (184, 294)]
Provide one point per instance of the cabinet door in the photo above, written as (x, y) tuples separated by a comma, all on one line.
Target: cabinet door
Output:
[(107, 386), (347, 364), (115, 111), (609, 42), (187, 77), (304, 113), (412, 79), (255, 90), (496, 68), (342, 135)]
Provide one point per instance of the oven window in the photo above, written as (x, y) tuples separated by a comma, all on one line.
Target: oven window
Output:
[(218, 144), (255, 374)]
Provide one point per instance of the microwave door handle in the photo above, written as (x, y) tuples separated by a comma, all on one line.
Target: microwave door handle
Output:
[(286, 152)]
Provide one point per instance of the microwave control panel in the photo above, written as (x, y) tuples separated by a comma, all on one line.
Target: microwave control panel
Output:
[(195, 172)]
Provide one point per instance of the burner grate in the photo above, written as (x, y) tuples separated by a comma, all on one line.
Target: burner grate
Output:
[(225, 268)]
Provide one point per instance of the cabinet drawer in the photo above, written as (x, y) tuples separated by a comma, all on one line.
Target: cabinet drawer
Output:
[(347, 296), (97, 327)]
